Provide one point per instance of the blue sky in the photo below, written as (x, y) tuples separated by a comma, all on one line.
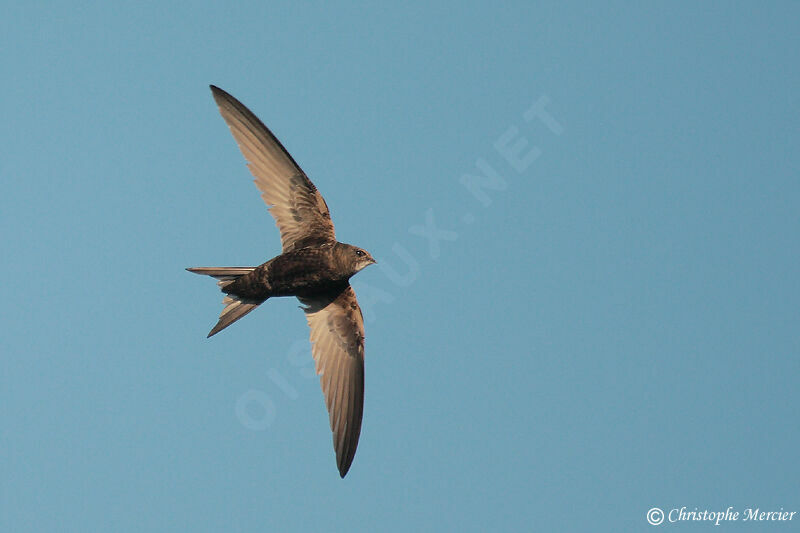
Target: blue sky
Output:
[(610, 326)]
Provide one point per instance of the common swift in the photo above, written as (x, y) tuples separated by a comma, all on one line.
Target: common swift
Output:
[(313, 266)]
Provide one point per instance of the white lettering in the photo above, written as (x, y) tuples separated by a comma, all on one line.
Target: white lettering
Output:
[(489, 180), (401, 280), (537, 111), (433, 234), (513, 152)]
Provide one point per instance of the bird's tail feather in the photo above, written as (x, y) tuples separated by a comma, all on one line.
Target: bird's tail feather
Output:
[(235, 306)]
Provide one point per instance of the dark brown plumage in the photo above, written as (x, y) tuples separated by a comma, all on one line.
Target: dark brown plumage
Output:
[(313, 266)]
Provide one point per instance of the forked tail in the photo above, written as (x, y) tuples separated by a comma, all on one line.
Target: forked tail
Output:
[(235, 307)]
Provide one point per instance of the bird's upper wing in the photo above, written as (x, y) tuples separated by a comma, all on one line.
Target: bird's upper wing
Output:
[(337, 337), (300, 211)]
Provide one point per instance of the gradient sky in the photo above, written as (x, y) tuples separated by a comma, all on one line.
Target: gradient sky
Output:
[(607, 323)]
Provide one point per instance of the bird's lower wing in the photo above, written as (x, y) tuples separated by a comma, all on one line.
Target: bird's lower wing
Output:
[(337, 337)]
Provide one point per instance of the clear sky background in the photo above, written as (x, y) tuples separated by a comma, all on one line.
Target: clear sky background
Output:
[(612, 326)]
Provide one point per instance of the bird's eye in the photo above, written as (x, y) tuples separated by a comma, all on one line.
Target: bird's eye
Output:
[(360, 253)]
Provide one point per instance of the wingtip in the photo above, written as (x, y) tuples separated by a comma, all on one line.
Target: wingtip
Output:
[(218, 93), (344, 468)]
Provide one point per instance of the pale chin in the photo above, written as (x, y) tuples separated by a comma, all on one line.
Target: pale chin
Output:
[(362, 265)]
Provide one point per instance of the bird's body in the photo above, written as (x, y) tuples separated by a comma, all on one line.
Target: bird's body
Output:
[(313, 266), (303, 273)]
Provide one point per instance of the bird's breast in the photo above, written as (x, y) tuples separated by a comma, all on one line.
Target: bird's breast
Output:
[(303, 272)]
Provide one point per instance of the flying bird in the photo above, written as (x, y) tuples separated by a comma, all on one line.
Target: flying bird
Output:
[(313, 266)]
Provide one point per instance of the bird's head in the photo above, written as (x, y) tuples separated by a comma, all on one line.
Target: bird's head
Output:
[(354, 258)]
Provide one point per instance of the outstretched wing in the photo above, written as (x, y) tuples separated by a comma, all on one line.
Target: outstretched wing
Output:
[(299, 210), (337, 337)]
